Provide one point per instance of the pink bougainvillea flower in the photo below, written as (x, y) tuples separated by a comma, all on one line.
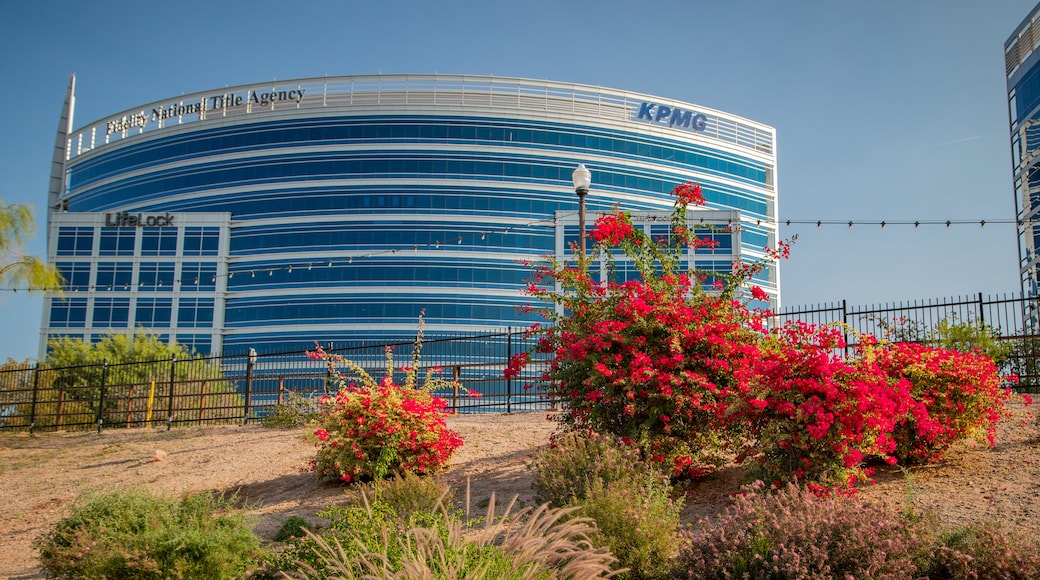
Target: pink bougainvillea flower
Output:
[(612, 229), (689, 194)]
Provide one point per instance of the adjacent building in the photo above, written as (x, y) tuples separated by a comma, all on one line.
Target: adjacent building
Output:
[(336, 208), (1022, 68)]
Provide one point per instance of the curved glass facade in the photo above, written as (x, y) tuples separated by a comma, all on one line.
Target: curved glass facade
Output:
[(340, 207), (1022, 68)]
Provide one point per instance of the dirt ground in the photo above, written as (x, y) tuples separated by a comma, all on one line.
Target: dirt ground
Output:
[(41, 476)]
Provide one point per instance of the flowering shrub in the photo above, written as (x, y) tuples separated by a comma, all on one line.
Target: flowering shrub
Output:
[(655, 360), (955, 395), (794, 534), (690, 375), (379, 428), (815, 416)]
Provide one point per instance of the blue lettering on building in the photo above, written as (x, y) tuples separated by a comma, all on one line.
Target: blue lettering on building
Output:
[(671, 116)]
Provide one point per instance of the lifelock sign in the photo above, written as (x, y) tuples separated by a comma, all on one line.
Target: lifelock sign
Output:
[(125, 219), (670, 116)]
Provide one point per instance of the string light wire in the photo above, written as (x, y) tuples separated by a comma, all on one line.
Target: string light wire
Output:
[(819, 223)]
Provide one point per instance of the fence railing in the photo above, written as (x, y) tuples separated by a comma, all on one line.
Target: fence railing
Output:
[(244, 388), (241, 389), (1010, 318)]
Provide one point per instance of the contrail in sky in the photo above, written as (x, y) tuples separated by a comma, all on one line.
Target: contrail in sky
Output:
[(955, 141)]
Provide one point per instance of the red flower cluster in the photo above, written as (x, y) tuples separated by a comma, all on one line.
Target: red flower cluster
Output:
[(688, 194), (612, 229), (956, 396)]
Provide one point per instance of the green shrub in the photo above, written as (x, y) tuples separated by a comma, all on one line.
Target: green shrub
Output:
[(638, 524), (133, 534), (293, 527), (575, 461), (357, 529), (411, 493), (627, 498), (791, 533), (296, 411)]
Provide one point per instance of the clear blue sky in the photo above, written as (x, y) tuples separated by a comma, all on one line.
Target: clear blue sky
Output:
[(884, 110)]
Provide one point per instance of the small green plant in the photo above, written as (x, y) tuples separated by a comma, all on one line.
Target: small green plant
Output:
[(628, 499), (409, 493), (577, 460), (133, 534), (296, 411), (292, 527)]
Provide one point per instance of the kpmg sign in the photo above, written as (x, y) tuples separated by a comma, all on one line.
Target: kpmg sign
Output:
[(670, 117), (206, 103)]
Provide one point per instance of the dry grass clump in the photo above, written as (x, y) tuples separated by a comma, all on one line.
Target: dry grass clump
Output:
[(373, 540)]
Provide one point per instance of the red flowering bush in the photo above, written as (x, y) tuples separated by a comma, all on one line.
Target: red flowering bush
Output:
[(815, 416), (373, 429), (956, 395), (692, 376), (652, 361)]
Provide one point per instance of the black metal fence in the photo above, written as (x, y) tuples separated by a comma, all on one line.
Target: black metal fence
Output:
[(240, 389), (1008, 318)]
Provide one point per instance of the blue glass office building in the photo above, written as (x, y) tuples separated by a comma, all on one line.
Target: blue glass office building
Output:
[(273, 215), (1022, 67)]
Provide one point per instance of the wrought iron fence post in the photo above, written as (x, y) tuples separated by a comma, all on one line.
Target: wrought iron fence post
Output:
[(456, 374), (249, 384), (101, 399), (509, 381), (982, 312), (36, 389), (845, 324), (169, 406)]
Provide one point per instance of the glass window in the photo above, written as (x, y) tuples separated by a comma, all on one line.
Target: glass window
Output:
[(198, 276), (153, 312), (159, 241), (75, 241), (76, 274), (111, 312), (68, 313), (195, 313), (201, 241), (114, 275), (155, 276), (117, 241), (197, 343)]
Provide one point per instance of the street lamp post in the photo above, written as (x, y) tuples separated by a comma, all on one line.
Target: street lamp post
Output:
[(582, 179)]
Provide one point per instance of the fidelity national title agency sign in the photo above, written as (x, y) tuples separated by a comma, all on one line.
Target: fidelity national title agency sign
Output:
[(206, 103)]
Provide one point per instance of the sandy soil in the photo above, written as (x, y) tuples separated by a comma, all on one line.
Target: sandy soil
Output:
[(40, 477)]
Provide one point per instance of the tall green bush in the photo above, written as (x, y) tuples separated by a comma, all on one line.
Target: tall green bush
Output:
[(628, 499)]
